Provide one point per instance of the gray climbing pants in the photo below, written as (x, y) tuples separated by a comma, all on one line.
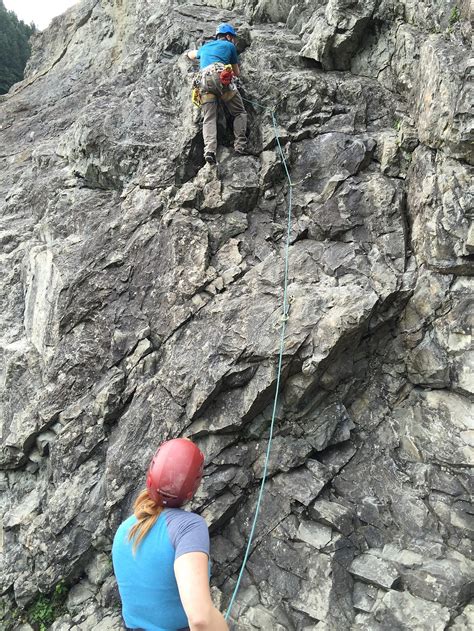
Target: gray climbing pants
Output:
[(213, 92)]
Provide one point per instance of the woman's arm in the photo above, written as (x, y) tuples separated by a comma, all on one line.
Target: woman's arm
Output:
[(191, 54), (192, 575)]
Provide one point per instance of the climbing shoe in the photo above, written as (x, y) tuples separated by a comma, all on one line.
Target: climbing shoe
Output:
[(210, 157)]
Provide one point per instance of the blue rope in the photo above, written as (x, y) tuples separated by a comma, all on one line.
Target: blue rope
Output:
[(280, 362)]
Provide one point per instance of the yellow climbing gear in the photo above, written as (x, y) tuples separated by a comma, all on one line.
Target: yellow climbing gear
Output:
[(196, 97)]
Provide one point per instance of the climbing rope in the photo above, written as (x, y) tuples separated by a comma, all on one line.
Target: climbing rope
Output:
[(284, 320)]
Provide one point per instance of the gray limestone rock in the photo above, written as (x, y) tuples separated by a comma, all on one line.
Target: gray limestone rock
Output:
[(437, 428), (465, 620), (78, 595), (141, 299), (444, 353), (444, 96), (333, 514), (401, 610), (375, 571), (315, 535), (441, 210), (303, 484), (316, 599), (98, 569), (445, 581), (336, 31), (329, 426), (365, 596), (23, 512)]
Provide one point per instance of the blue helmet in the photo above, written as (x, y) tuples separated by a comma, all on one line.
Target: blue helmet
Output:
[(226, 29)]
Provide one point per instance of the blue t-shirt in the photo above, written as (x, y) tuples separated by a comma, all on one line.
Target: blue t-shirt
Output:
[(219, 50), (146, 580)]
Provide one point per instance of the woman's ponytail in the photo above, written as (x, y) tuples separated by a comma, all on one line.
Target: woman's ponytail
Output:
[(147, 512)]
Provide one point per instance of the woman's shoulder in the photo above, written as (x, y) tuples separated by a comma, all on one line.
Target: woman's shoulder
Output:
[(188, 531), (183, 516)]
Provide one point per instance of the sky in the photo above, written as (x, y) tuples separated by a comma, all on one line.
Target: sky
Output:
[(41, 12)]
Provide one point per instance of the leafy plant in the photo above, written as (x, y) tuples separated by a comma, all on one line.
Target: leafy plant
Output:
[(44, 611), (455, 16), (60, 589)]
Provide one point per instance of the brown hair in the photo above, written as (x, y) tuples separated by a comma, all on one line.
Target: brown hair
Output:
[(147, 512)]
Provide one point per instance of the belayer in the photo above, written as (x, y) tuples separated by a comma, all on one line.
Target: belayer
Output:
[(219, 64), (161, 553)]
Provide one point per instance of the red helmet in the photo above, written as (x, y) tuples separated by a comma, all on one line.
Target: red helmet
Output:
[(175, 472)]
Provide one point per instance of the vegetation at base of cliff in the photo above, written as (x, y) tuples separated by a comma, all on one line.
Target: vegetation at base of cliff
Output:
[(40, 614), (14, 48), (44, 611)]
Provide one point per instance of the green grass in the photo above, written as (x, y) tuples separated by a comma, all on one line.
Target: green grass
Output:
[(455, 16)]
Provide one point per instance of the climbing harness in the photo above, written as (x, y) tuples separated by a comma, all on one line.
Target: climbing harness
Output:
[(284, 320), (222, 78)]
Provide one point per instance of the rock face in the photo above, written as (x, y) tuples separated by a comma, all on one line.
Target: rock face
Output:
[(141, 299)]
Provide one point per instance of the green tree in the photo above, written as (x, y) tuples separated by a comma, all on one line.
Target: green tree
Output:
[(14, 48)]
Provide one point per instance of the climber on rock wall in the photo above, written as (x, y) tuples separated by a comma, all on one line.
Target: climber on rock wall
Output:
[(218, 62), (161, 553)]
